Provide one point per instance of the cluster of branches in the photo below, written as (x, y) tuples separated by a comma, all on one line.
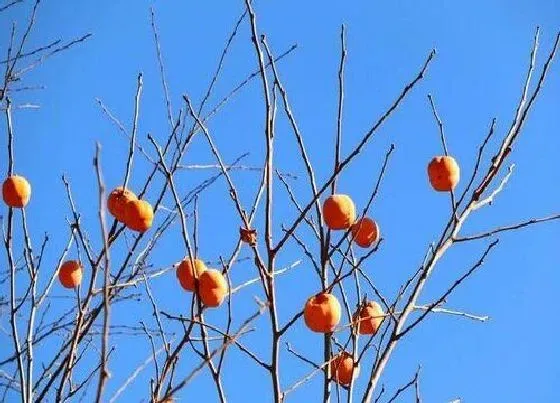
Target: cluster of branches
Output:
[(113, 279)]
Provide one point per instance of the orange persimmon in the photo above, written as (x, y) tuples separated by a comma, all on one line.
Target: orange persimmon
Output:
[(365, 232), (117, 200), (212, 287), (138, 215), (339, 212), (322, 313), (16, 191), (70, 274), (368, 318), (187, 275), (443, 173), (341, 368)]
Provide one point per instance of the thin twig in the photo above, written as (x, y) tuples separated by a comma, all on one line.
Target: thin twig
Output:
[(104, 371), (134, 130), (405, 387), (480, 318), (439, 123), (161, 68), (12, 266), (13, 3), (507, 228)]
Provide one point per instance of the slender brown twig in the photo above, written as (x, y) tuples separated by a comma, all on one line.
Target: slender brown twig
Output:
[(104, 370), (134, 130)]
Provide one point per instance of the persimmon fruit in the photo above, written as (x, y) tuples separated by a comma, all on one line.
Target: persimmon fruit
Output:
[(365, 232), (212, 288), (187, 274), (339, 212), (368, 318), (16, 191), (70, 274), (341, 368), (322, 313), (444, 173), (117, 200), (139, 215)]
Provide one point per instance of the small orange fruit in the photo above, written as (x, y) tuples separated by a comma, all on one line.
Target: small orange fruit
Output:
[(70, 274), (369, 317), (365, 232), (339, 212), (187, 275), (212, 287), (138, 215), (341, 368), (322, 313), (117, 200), (248, 235), (16, 191), (443, 173)]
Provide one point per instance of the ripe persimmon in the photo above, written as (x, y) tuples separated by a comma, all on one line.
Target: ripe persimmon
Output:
[(187, 274), (322, 313), (16, 191), (443, 173), (368, 318), (341, 368), (339, 212), (138, 215), (70, 274), (212, 287), (365, 232), (117, 200)]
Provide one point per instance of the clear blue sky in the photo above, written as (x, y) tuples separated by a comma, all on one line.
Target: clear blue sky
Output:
[(483, 49)]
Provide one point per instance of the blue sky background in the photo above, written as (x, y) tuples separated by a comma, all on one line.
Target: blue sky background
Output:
[(483, 49)]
